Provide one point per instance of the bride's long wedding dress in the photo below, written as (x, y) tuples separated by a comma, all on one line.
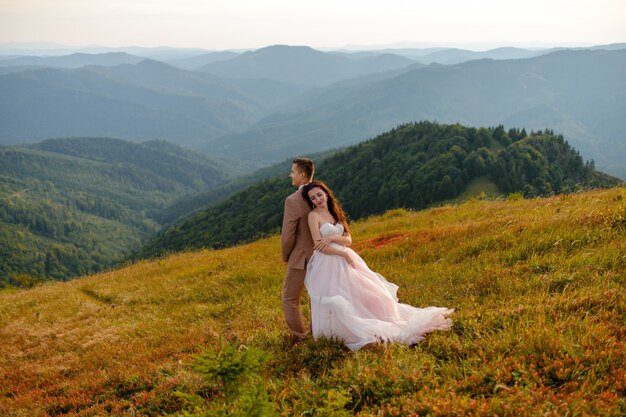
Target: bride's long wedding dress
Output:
[(359, 306)]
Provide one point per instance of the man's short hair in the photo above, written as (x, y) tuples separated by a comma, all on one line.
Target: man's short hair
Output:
[(305, 165)]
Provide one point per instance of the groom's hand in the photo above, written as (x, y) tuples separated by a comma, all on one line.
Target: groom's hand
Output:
[(323, 243)]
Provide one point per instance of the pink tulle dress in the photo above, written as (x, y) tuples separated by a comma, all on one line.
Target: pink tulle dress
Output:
[(359, 306)]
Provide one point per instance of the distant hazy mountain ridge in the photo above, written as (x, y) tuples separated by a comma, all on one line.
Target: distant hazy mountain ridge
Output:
[(267, 104), (76, 60), (134, 102), (303, 65), (580, 94)]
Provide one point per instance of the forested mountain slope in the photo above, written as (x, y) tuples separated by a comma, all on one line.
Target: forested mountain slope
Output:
[(188, 204), (412, 166), (69, 207)]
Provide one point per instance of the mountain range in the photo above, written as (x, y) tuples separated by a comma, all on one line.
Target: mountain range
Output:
[(76, 60), (193, 58), (301, 65), (144, 101), (263, 106), (581, 94)]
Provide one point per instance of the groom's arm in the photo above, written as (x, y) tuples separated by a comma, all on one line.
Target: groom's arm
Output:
[(288, 232)]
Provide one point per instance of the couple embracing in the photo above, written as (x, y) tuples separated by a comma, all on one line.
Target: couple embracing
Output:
[(349, 302)]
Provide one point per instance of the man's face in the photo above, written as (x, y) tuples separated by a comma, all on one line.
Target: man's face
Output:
[(297, 176)]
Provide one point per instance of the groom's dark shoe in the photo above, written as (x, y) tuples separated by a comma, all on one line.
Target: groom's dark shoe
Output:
[(294, 339)]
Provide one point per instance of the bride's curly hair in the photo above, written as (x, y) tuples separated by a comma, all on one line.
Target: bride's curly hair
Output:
[(334, 207)]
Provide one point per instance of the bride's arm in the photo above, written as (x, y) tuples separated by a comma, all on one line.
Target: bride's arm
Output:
[(329, 250), (314, 228), (317, 238), (343, 240)]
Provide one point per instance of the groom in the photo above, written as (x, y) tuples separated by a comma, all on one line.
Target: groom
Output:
[(296, 246)]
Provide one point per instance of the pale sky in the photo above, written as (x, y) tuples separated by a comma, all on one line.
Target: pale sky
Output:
[(241, 24)]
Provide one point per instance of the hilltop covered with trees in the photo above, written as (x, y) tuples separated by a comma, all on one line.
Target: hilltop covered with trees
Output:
[(413, 166)]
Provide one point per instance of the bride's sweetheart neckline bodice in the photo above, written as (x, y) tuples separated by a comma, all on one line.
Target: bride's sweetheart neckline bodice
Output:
[(328, 229)]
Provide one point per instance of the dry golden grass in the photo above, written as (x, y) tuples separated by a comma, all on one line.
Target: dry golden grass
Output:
[(538, 288)]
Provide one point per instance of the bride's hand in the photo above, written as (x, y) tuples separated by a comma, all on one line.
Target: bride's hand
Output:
[(349, 259), (323, 243)]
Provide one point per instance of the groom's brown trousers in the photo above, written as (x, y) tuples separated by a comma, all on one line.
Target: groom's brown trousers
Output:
[(292, 290), (296, 248)]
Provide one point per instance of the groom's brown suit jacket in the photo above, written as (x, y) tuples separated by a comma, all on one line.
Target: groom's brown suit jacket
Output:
[(295, 236)]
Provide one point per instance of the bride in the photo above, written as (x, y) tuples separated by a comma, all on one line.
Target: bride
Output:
[(348, 300)]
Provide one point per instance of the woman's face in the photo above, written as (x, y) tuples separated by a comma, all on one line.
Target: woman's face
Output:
[(318, 197)]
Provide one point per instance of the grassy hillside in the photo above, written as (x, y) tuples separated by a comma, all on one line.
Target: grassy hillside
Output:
[(539, 327)]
